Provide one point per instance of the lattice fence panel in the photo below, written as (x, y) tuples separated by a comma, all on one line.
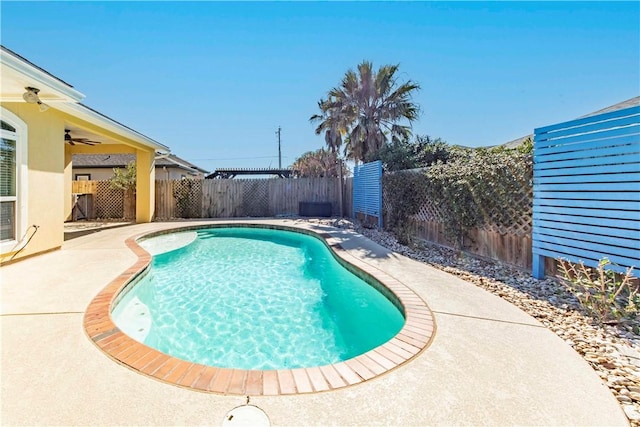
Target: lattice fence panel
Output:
[(255, 198), (514, 213), (187, 194), (430, 211), (109, 202)]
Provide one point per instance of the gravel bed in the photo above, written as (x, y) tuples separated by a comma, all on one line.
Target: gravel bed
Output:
[(613, 352)]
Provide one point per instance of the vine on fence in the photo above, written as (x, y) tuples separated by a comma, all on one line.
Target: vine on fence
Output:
[(187, 203), (474, 189), (480, 187), (405, 192)]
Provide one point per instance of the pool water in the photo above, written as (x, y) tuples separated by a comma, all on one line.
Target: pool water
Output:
[(250, 298)]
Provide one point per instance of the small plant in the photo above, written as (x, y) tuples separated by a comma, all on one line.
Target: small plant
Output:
[(605, 295), (124, 179)]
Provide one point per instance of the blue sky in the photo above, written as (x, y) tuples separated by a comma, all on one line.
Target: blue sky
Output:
[(214, 80)]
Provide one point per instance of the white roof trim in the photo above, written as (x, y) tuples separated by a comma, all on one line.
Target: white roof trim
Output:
[(91, 116), (183, 164), (40, 77)]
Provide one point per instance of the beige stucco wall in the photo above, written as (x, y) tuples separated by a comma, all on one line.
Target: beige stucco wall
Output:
[(145, 179), (96, 174), (50, 175), (45, 177), (68, 204)]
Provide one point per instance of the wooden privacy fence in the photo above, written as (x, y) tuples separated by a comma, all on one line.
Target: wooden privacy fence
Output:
[(229, 198), (587, 191), (103, 201)]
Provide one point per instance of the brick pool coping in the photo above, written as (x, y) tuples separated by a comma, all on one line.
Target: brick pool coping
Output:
[(415, 336)]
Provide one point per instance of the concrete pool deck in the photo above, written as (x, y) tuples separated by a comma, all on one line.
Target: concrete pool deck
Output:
[(489, 363)]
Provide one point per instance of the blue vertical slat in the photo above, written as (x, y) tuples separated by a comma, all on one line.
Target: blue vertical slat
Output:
[(367, 190)]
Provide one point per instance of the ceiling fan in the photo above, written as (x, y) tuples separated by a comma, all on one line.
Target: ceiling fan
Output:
[(72, 141)]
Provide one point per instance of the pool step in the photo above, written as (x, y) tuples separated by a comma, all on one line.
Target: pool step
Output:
[(134, 319)]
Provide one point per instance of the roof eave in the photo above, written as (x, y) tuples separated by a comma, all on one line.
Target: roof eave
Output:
[(39, 76), (184, 164), (85, 113)]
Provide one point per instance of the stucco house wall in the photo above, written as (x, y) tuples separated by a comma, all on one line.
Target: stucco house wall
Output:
[(45, 178), (34, 214)]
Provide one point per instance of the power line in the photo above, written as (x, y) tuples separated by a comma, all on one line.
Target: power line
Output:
[(238, 158)]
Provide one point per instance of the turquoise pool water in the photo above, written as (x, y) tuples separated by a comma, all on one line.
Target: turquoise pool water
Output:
[(252, 298)]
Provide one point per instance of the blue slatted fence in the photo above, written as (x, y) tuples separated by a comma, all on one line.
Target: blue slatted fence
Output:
[(367, 191), (586, 191)]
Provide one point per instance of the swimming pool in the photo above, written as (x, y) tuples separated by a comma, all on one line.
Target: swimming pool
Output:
[(415, 334), (254, 298)]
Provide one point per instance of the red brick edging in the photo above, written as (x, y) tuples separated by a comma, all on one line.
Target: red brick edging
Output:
[(415, 336)]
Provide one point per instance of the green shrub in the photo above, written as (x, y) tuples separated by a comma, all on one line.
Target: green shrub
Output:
[(124, 179)]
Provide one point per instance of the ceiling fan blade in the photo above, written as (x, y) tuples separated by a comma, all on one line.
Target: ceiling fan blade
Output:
[(87, 142), (71, 142)]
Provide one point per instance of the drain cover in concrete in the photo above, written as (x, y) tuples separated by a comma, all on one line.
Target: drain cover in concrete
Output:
[(246, 415)]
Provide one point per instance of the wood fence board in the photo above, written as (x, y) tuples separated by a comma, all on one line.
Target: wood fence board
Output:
[(509, 248), (232, 198), (84, 187)]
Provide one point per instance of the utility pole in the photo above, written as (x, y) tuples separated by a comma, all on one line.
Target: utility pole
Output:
[(279, 151)]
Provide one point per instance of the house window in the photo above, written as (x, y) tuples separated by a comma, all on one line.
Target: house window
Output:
[(83, 177), (13, 175)]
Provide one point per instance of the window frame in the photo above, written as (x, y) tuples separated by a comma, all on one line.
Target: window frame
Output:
[(82, 177), (20, 136)]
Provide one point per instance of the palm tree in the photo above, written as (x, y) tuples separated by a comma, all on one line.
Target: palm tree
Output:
[(331, 123), (367, 109), (319, 163)]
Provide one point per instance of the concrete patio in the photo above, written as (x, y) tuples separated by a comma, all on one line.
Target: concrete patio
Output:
[(489, 364)]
